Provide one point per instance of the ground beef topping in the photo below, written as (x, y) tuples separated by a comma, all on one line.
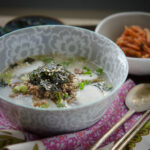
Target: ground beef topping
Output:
[(48, 82)]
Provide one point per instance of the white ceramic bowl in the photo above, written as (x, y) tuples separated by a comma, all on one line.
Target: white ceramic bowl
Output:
[(70, 41), (113, 26)]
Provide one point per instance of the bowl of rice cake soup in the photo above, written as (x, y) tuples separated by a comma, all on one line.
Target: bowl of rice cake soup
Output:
[(57, 78)]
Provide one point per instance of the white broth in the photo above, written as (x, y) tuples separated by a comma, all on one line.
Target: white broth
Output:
[(54, 81)]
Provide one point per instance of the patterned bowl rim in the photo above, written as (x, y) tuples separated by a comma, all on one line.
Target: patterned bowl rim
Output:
[(80, 106)]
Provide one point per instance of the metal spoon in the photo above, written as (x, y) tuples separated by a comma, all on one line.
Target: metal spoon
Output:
[(137, 100)]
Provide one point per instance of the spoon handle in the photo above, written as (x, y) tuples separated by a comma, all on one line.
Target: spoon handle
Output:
[(118, 124)]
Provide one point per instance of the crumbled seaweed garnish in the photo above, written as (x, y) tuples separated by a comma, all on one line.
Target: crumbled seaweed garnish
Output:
[(28, 60), (3, 83), (49, 86), (103, 86), (51, 77), (5, 78), (99, 71), (13, 65), (100, 85)]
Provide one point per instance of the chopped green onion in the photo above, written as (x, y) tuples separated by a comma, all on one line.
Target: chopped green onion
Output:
[(16, 89), (67, 62), (60, 102), (20, 88), (23, 89), (6, 77), (66, 95), (86, 68), (99, 71), (61, 105), (86, 82), (58, 96), (70, 59), (46, 105), (82, 84), (108, 86), (87, 71), (45, 59), (81, 58)]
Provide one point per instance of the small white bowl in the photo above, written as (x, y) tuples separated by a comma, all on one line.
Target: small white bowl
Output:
[(113, 26)]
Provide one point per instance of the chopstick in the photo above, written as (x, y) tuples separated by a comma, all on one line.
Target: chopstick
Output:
[(133, 134), (130, 134)]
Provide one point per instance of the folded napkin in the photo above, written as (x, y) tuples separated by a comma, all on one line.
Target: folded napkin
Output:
[(81, 140)]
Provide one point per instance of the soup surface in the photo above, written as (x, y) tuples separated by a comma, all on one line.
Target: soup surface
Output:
[(50, 81)]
